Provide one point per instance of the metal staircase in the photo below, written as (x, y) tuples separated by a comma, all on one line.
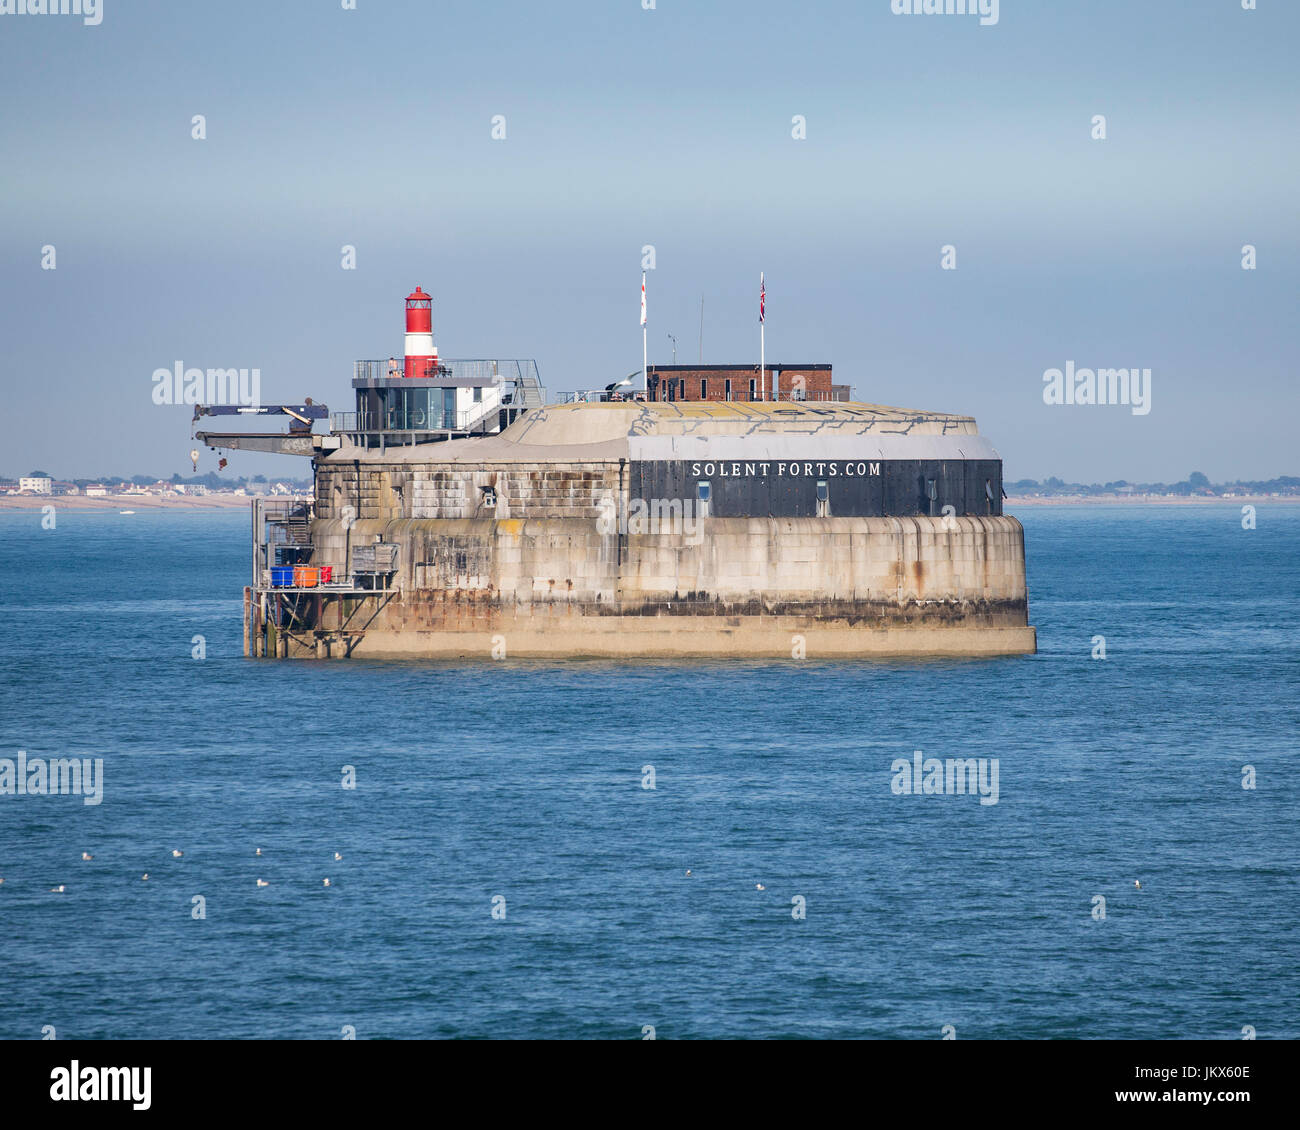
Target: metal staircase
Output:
[(528, 390), (297, 525)]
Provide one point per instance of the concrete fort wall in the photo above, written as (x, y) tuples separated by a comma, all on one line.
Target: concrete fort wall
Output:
[(448, 490), (552, 490), (532, 548), (730, 586)]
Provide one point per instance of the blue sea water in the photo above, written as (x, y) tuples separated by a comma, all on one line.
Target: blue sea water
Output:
[(524, 780)]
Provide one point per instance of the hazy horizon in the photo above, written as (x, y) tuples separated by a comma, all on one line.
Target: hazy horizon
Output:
[(671, 127)]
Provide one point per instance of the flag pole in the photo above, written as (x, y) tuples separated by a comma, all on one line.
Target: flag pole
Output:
[(701, 329), (645, 382)]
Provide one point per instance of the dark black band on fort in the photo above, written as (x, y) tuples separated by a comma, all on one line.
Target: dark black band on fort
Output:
[(826, 488)]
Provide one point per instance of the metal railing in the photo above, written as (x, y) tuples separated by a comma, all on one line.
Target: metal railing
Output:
[(287, 508), (484, 370), (838, 393), (483, 418), (391, 369), (798, 396), (600, 396), (280, 524)]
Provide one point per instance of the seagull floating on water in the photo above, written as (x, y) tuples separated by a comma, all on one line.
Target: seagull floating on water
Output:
[(258, 851), (87, 856), (759, 887), (688, 871), (337, 856), (57, 890), (1137, 883), (263, 883), (327, 882), (145, 876), (176, 854)]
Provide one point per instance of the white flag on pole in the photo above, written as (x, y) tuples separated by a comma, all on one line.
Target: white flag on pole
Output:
[(643, 298)]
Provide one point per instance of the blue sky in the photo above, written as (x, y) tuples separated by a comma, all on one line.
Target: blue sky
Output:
[(669, 127)]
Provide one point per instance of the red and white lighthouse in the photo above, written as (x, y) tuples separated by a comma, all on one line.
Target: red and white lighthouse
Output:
[(421, 353)]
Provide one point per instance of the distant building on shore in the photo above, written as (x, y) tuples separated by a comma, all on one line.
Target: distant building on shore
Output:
[(36, 484)]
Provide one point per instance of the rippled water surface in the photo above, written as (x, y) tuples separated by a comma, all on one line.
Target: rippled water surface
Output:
[(524, 780)]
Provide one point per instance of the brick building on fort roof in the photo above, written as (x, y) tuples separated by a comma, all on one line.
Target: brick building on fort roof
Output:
[(742, 383)]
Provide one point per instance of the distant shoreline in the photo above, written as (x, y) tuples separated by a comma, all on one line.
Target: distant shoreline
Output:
[(1150, 500), (145, 502)]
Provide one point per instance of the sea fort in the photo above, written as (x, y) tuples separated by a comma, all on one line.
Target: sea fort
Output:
[(718, 510)]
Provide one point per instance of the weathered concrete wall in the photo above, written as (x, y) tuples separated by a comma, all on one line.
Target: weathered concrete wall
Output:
[(726, 586), (728, 560), (558, 632), (442, 490)]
